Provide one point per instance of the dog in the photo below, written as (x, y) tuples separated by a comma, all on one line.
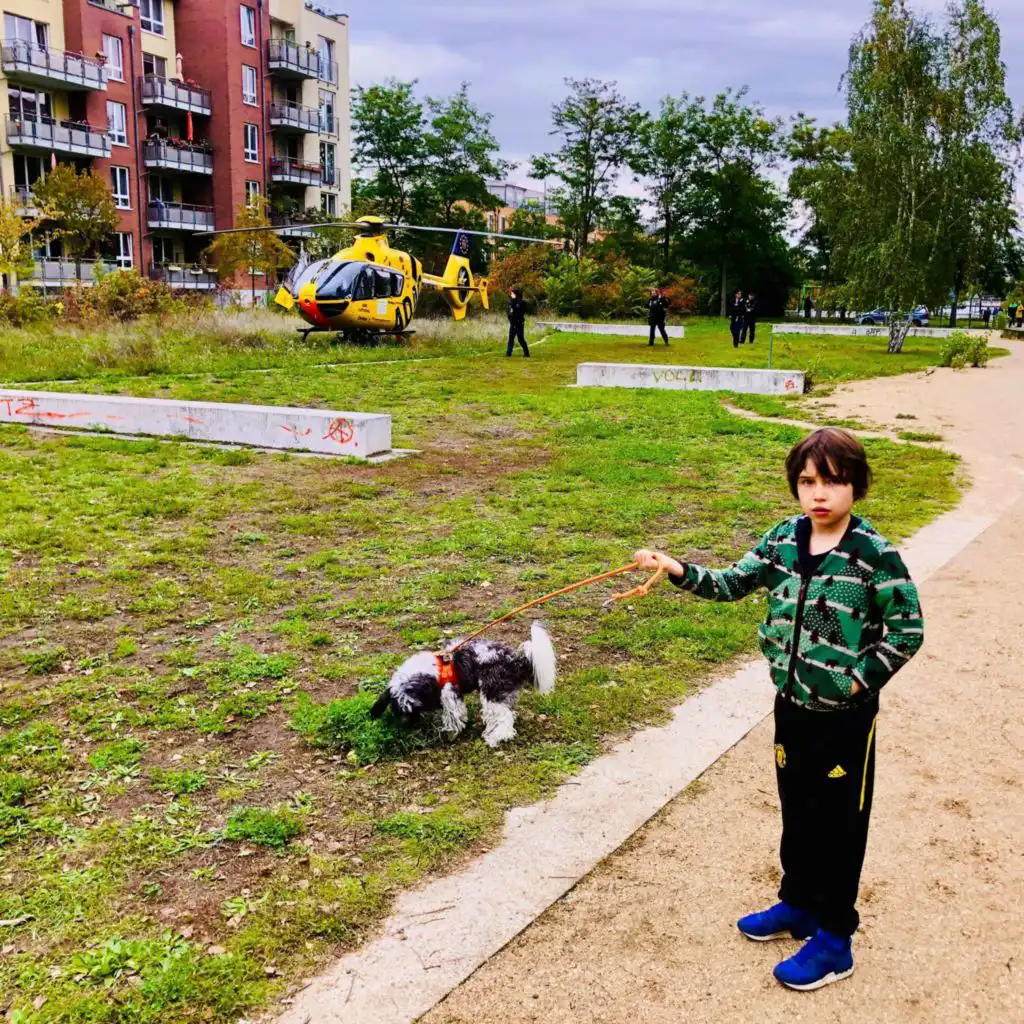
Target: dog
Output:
[(438, 682)]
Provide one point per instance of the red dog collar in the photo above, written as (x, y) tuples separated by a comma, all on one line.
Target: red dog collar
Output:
[(446, 671)]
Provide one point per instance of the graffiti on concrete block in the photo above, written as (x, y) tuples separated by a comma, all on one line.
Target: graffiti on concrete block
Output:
[(340, 430)]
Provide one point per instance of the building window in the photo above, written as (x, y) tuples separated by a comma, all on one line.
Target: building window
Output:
[(29, 105), (325, 51), (250, 143), (163, 249), (248, 16), (329, 204), (327, 163), (249, 85), (327, 112), (160, 189), (117, 118), (153, 66), (25, 30), (252, 191), (125, 258), (115, 57), (151, 16), (119, 183)]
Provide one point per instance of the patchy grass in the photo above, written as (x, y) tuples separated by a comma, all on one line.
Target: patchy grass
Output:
[(190, 637), (920, 435)]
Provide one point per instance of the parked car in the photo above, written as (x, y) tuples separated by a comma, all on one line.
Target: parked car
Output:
[(878, 317)]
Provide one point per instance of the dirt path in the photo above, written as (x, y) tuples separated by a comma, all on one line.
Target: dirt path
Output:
[(649, 936)]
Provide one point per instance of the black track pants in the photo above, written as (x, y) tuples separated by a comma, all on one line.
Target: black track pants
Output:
[(825, 766), (658, 327), (516, 333)]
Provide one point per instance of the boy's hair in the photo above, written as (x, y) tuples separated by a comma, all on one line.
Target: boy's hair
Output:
[(837, 455)]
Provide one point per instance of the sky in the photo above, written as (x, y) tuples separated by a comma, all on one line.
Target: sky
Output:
[(516, 55)]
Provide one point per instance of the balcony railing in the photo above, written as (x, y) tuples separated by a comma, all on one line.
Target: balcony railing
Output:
[(160, 92), (290, 227), (39, 65), (23, 201), (294, 172), (193, 278), (328, 71), (285, 114), (72, 137), (180, 216), (177, 156), (291, 61), (65, 274)]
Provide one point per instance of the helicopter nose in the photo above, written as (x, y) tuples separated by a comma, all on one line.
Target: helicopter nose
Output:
[(308, 307)]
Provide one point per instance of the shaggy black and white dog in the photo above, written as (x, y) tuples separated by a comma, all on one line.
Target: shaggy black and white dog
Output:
[(424, 683)]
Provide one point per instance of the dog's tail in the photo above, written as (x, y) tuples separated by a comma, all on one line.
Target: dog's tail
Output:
[(381, 704), (541, 654)]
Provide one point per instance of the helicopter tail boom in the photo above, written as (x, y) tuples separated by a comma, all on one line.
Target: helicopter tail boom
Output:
[(457, 284)]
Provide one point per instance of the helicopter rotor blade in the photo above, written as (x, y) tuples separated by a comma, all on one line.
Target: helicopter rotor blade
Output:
[(286, 227), (467, 231)]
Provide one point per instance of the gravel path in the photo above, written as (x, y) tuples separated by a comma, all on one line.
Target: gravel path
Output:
[(649, 937)]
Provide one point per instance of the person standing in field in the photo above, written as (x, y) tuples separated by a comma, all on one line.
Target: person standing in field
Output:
[(843, 618), (657, 311), (516, 322), (736, 317), (749, 319), (808, 306)]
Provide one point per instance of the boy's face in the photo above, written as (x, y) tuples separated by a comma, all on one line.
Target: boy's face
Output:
[(825, 502)]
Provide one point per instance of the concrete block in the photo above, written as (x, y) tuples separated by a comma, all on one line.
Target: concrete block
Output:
[(855, 331), (690, 378), (355, 434), (629, 330)]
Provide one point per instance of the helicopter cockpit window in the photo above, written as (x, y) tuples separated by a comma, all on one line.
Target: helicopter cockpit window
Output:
[(397, 285), (382, 284), (337, 281), (364, 285)]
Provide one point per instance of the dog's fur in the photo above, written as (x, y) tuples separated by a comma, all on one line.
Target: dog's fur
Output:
[(497, 671)]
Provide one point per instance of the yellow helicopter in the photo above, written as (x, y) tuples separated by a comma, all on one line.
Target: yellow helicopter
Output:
[(372, 289)]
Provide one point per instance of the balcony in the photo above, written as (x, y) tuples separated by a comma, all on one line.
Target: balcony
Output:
[(294, 117), (328, 71), (176, 155), (289, 227), (192, 279), (61, 274), (287, 60), (23, 202), (180, 217), (70, 137), (288, 171), (159, 92), (29, 64)]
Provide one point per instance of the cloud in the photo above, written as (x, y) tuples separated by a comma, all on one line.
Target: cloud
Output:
[(376, 56)]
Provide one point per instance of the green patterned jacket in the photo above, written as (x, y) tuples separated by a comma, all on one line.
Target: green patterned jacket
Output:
[(858, 618)]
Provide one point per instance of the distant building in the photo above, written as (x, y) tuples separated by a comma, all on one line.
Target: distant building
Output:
[(517, 197), (189, 107)]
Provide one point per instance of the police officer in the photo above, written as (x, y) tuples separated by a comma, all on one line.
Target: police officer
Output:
[(516, 322), (657, 310), (737, 317), (749, 319)]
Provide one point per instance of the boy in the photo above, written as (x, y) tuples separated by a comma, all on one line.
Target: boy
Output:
[(843, 618)]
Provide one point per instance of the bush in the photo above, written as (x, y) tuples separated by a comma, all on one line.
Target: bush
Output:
[(1000, 321), (275, 829), (120, 295), (960, 351), (29, 306)]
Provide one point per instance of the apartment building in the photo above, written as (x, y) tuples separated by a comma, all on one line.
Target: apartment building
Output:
[(189, 107), (515, 197)]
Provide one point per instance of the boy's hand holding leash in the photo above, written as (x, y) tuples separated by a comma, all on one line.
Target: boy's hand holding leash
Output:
[(647, 559)]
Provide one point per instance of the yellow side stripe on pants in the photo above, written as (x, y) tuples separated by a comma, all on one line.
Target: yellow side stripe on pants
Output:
[(867, 758)]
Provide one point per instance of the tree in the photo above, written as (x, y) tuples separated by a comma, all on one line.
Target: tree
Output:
[(15, 240), (251, 252), (388, 140), (79, 210), (732, 208), (599, 129), (666, 157), (915, 189), (461, 154)]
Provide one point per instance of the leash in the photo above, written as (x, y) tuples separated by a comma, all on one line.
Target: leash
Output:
[(642, 590)]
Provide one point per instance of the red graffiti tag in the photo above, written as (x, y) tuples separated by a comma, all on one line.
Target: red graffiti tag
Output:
[(340, 430), (295, 432), (790, 384)]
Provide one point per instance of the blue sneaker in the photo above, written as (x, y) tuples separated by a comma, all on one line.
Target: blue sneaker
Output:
[(780, 921), (825, 958)]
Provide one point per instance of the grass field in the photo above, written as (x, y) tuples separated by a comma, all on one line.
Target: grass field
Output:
[(187, 822)]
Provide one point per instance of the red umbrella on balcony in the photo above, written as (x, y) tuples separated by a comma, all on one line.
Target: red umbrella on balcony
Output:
[(188, 125)]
